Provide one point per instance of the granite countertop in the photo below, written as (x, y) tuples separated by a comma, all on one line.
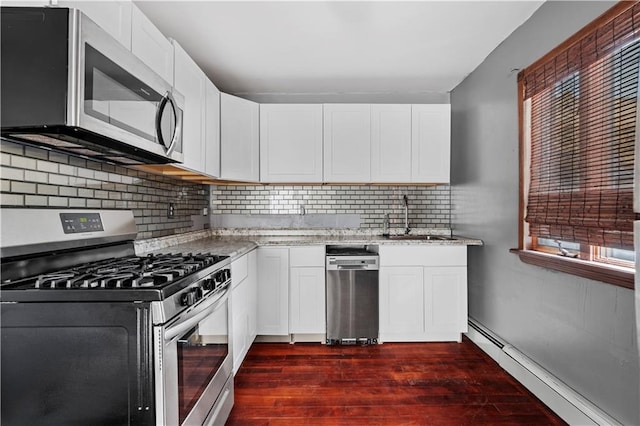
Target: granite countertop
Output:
[(236, 242)]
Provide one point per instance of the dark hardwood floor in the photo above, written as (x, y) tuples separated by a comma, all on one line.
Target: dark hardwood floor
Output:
[(388, 384)]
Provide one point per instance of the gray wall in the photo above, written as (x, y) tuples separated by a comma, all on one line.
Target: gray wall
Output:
[(582, 331)]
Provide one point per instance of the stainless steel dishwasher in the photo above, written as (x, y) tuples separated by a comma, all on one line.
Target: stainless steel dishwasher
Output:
[(352, 295)]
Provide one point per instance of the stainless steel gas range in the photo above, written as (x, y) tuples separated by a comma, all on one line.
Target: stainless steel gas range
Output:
[(93, 334)]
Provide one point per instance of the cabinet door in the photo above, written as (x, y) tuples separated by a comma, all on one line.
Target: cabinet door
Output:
[(445, 299), (307, 301), (239, 143), (190, 81), (150, 45), (240, 329), (347, 143), (401, 304), (273, 291), (112, 16), (431, 143), (391, 143), (212, 130), (291, 143), (252, 279)]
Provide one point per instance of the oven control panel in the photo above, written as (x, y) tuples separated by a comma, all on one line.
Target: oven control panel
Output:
[(75, 223), (210, 284)]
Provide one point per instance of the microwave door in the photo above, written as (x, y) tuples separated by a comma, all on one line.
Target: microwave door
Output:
[(121, 97)]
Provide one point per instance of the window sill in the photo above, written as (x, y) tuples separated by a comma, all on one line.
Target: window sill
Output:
[(618, 276)]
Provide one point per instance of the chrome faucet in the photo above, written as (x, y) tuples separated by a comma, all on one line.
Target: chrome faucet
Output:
[(406, 214)]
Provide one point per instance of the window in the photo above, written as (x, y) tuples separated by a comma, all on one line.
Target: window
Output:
[(578, 131)]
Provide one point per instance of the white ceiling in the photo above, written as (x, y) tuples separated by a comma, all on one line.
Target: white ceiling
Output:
[(321, 47)]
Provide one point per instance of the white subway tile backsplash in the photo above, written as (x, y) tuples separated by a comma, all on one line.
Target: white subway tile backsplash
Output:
[(429, 206), (33, 176), (23, 187), (34, 152), (42, 178), (47, 189), (58, 202), (23, 162), (35, 200), (13, 174), (46, 166), (12, 199)]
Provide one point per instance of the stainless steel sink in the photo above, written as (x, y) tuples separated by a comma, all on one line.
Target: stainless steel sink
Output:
[(419, 237)]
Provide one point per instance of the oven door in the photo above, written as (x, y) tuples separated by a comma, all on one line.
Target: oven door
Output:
[(194, 368), (76, 363), (122, 98)]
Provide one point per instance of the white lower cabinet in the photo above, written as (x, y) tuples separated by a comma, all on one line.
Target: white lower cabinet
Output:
[(307, 290), (273, 291), (423, 293), (445, 300), (243, 306), (401, 303)]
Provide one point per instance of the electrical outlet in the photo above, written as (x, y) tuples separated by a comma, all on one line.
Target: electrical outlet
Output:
[(205, 211), (171, 210)]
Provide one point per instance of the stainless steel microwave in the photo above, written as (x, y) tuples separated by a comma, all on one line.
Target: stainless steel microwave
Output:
[(68, 85)]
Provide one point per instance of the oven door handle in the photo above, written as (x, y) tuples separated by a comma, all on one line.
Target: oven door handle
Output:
[(187, 324)]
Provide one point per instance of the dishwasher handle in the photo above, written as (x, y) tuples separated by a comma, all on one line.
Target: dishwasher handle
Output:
[(353, 267)]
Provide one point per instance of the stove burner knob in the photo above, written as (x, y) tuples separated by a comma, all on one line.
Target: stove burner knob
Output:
[(191, 297), (209, 284), (188, 299), (226, 274)]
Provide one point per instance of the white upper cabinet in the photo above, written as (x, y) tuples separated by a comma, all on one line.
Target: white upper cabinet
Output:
[(390, 143), (291, 143), (431, 143), (150, 45), (190, 81), (112, 16), (239, 143), (212, 130), (347, 143)]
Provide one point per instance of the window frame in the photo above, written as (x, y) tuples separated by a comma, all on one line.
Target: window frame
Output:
[(526, 250)]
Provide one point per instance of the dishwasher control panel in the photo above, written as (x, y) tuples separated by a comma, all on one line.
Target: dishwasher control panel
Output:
[(362, 262)]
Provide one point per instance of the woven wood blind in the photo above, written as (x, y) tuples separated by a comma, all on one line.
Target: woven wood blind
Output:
[(583, 123)]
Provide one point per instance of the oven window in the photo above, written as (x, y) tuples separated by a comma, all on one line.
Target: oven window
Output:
[(201, 352)]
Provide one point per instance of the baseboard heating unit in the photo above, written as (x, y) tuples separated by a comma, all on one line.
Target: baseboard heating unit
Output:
[(558, 396)]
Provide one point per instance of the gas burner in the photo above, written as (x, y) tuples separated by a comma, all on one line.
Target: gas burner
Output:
[(151, 271), (54, 280)]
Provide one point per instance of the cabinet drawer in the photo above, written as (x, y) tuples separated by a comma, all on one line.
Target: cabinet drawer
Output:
[(306, 256), (435, 255), (239, 270)]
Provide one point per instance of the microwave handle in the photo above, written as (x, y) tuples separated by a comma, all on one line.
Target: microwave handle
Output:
[(168, 99)]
